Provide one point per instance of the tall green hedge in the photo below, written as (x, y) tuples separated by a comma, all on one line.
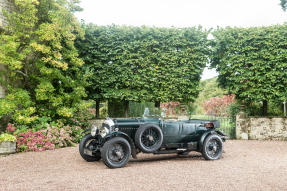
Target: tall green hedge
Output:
[(144, 63), (252, 63)]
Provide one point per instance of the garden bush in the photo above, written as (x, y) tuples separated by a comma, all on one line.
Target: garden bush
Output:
[(49, 137), (170, 108), (43, 78), (218, 106), (33, 141), (7, 137)]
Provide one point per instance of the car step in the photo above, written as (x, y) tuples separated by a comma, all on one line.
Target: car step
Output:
[(170, 151)]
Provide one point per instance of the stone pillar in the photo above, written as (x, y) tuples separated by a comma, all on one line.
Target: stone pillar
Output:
[(242, 125)]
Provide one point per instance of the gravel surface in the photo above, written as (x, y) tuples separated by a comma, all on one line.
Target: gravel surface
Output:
[(245, 165)]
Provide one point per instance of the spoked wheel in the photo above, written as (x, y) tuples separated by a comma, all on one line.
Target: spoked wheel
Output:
[(149, 138), (87, 147), (116, 152), (212, 147)]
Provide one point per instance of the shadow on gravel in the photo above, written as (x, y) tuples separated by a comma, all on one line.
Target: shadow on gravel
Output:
[(169, 157)]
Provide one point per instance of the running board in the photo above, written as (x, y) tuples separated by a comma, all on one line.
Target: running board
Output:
[(169, 151)]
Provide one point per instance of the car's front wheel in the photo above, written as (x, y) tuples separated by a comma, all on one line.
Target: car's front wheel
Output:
[(212, 147), (86, 148), (116, 152)]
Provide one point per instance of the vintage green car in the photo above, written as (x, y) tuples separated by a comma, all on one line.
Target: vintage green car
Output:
[(118, 139)]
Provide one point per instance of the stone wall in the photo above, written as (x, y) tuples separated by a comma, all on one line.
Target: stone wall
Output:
[(261, 128), (4, 4)]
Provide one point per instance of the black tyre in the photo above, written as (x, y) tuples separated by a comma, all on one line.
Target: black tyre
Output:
[(116, 152), (212, 147), (149, 138), (86, 147)]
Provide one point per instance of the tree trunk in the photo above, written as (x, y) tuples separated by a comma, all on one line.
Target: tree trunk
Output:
[(264, 108), (97, 108), (157, 104), (127, 109), (284, 108)]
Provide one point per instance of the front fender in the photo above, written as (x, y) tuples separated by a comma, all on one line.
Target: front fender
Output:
[(124, 135), (209, 132)]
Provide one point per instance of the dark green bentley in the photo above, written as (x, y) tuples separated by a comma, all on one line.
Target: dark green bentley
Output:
[(117, 139)]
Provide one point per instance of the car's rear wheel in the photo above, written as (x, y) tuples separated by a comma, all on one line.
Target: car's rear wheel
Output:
[(149, 138), (116, 152), (212, 147), (86, 148)]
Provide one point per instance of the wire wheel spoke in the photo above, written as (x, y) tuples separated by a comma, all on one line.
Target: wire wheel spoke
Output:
[(213, 148), (116, 153), (150, 137), (91, 144)]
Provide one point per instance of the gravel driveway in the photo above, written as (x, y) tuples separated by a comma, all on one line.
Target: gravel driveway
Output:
[(245, 165)]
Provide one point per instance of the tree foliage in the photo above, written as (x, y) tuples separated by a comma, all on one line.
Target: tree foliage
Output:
[(143, 63), (42, 68), (252, 62), (283, 4), (208, 88)]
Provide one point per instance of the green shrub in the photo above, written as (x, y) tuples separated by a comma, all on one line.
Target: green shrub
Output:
[(7, 137), (42, 68), (233, 110)]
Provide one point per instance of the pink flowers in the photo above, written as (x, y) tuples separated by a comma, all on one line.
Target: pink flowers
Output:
[(46, 139), (33, 141), (218, 105), (61, 137), (170, 108), (10, 128)]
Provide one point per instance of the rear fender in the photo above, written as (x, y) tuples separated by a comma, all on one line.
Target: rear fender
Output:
[(121, 134), (222, 135)]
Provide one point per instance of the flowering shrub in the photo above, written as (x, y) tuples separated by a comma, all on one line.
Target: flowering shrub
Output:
[(218, 105), (170, 108), (75, 133), (10, 128), (60, 136), (33, 141), (52, 136)]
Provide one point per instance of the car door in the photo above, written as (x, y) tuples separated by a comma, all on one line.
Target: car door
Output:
[(171, 132), (188, 132)]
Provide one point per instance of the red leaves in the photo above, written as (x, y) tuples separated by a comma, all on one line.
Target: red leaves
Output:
[(10, 128), (170, 108), (218, 105), (33, 141)]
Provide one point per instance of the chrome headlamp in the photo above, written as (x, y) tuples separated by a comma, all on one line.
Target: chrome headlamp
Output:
[(104, 130), (94, 130), (109, 122)]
